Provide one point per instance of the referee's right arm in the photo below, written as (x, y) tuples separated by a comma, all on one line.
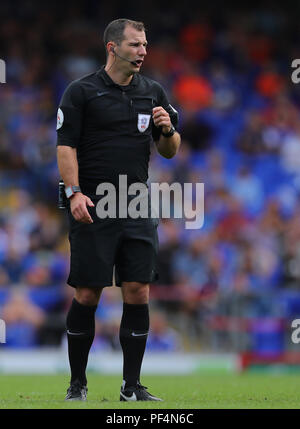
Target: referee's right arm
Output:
[(69, 120), (68, 169), (68, 165)]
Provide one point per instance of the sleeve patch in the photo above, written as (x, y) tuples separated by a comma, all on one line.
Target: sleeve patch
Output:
[(60, 119)]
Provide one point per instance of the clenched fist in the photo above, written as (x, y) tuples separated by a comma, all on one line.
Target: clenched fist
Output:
[(161, 118)]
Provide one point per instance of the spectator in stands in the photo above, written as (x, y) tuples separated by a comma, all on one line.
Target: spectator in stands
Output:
[(23, 320), (162, 338)]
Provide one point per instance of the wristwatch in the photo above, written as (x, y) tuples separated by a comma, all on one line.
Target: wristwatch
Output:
[(170, 133), (71, 190)]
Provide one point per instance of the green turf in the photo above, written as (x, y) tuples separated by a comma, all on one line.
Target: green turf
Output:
[(194, 391)]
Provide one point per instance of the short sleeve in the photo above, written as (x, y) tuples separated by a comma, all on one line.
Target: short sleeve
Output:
[(70, 116), (164, 102)]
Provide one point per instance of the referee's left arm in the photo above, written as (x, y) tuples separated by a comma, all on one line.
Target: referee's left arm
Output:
[(166, 146)]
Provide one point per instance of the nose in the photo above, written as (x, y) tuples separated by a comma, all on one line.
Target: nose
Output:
[(142, 50)]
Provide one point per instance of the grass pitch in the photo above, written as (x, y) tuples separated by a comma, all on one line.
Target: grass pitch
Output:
[(179, 392)]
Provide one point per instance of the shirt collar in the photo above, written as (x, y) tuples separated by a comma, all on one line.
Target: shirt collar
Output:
[(109, 82)]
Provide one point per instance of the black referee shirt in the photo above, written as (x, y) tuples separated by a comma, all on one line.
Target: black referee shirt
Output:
[(111, 127)]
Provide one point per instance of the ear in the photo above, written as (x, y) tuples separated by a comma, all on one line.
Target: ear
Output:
[(110, 48)]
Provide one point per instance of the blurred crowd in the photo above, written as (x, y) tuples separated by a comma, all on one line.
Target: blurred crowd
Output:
[(229, 76)]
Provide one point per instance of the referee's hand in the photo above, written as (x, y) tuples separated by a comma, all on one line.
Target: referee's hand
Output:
[(161, 118), (78, 205)]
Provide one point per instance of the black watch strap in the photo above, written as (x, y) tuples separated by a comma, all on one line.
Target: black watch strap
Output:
[(170, 133)]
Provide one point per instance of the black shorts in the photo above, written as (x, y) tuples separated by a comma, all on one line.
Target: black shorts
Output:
[(129, 245)]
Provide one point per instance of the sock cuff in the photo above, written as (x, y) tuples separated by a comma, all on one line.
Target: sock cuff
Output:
[(81, 318), (135, 307), (89, 309), (135, 317)]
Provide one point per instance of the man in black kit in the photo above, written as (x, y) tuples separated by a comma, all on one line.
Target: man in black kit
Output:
[(106, 122)]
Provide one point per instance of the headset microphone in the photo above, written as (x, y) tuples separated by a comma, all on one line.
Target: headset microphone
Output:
[(122, 58)]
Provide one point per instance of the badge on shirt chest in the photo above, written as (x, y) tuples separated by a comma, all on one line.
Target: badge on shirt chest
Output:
[(143, 122)]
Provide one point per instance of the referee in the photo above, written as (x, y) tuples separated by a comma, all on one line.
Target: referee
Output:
[(106, 122)]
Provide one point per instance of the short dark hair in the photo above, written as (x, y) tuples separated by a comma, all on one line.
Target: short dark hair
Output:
[(114, 32)]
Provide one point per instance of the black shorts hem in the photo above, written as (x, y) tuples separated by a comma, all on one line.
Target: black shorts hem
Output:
[(153, 279), (88, 285), (118, 283)]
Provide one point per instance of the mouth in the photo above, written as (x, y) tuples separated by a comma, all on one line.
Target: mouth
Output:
[(138, 63)]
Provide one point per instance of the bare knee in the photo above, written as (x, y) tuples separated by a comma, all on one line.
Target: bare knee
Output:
[(88, 296), (135, 293)]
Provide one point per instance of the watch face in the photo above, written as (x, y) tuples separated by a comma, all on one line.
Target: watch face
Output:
[(69, 192)]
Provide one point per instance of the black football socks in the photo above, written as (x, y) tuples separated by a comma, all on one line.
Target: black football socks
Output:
[(81, 331), (133, 337)]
